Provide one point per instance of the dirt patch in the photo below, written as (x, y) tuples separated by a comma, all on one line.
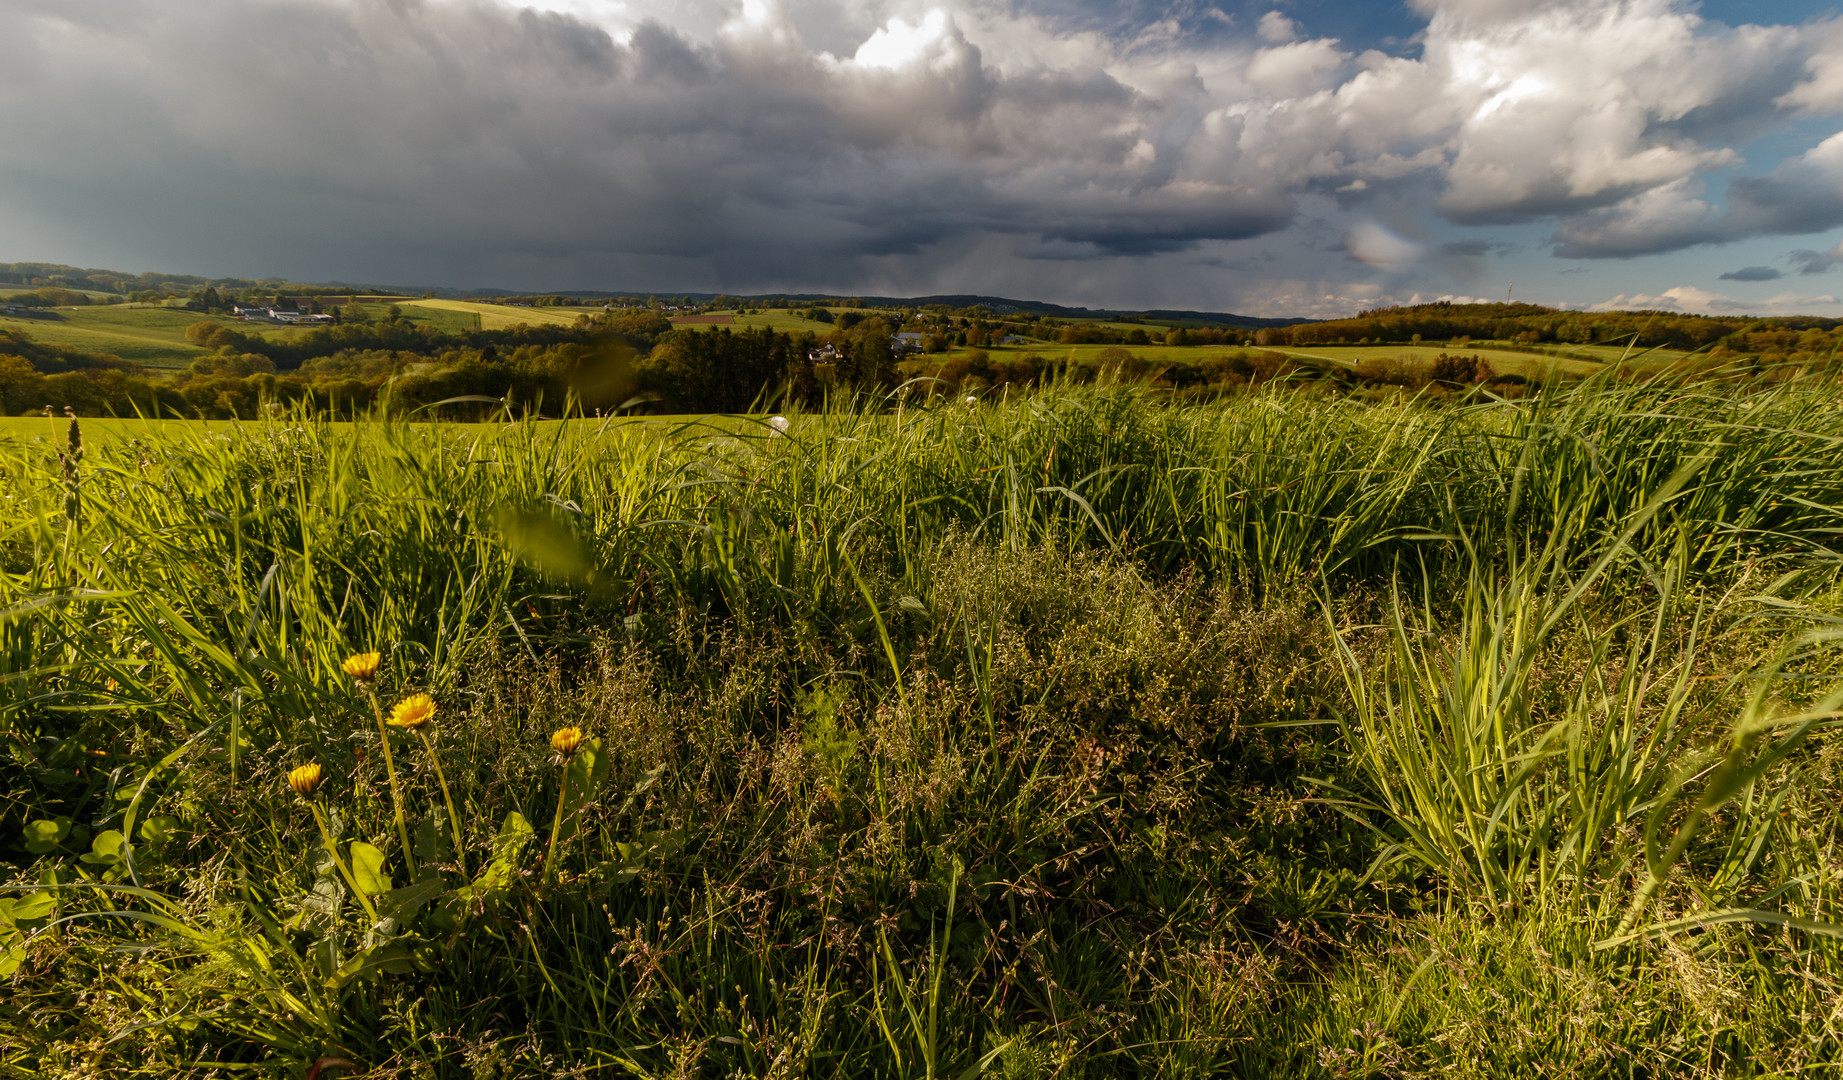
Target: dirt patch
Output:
[(689, 320)]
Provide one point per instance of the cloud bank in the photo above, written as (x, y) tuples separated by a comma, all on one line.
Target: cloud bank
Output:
[(780, 144)]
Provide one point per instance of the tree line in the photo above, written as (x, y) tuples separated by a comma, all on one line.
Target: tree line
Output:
[(1532, 324), (635, 360)]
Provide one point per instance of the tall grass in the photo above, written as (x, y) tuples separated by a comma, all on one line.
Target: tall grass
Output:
[(933, 741)]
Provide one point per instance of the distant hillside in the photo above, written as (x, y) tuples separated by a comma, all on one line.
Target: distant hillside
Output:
[(997, 305), (37, 275), (1533, 324), (1529, 324)]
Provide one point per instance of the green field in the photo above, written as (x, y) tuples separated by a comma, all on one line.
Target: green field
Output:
[(1529, 365), (150, 335), (488, 316), (109, 431), (154, 336), (787, 322), (776, 318), (13, 289), (1504, 362), (1085, 736)]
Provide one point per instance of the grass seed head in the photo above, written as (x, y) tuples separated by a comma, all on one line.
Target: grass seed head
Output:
[(565, 740), (304, 779), (413, 712)]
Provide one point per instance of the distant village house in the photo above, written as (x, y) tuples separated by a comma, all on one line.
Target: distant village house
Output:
[(285, 310)]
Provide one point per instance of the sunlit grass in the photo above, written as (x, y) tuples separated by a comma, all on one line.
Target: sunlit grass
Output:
[(1080, 735)]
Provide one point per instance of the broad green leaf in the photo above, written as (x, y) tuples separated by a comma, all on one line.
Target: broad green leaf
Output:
[(44, 836), (324, 900), (586, 772), (159, 829), (431, 838), (391, 958), (109, 851), (582, 779), (368, 868), (31, 906), (514, 833), (402, 904)]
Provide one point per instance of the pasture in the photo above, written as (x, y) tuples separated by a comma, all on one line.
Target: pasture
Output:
[(785, 321), (8, 288), (151, 335), (1084, 735), (1503, 361), (1530, 365), (469, 315), (154, 336)]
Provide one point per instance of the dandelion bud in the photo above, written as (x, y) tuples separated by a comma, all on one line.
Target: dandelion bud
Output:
[(565, 740), (305, 779), (413, 712), (362, 666)]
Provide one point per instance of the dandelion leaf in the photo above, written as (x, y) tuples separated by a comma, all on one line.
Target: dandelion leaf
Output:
[(368, 871)]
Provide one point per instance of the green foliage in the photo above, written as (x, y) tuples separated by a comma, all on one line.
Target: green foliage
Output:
[(722, 371), (1445, 321), (1086, 735)]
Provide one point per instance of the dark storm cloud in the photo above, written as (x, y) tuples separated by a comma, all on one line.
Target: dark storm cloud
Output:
[(767, 144), (1753, 273), (423, 138), (1817, 262)]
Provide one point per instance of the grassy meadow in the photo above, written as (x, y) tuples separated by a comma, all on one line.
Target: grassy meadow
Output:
[(785, 320), (1084, 735), (155, 336), (439, 313)]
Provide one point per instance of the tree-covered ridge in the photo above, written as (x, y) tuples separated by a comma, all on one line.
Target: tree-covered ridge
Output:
[(153, 285), (638, 357), (1535, 324)]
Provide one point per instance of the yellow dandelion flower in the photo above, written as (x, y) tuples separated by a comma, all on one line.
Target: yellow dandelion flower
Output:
[(565, 740), (362, 665), (413, 712), (305, 779)]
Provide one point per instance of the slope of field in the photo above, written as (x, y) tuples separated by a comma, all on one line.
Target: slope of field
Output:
[(495, 316), (153, 336), (14, 288), (1504, 362), (106, 431), (150, 335), (786, 322)]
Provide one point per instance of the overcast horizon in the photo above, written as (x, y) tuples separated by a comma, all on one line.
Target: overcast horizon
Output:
[(1306, 158)]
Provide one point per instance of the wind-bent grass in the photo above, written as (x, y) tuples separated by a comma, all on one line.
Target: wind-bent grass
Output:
[(934, 741)]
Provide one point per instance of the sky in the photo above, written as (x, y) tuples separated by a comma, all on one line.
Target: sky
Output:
[(1305, 158)]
